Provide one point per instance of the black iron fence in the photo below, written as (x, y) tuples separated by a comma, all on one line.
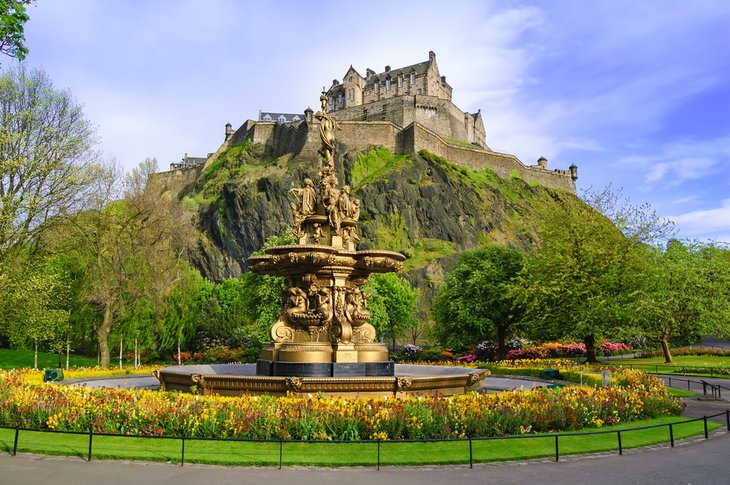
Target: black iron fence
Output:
[(715, 390), (379, 443)]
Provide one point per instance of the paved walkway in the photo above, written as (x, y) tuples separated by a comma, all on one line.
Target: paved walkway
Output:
[(691, 461)]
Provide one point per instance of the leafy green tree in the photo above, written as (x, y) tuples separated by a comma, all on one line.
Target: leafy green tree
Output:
[(35, 311), (46, 157), (263, 294), (183, 310), (13, 17), (473, 304), (133, 246), (392, 305), (686, 291), (578, 282)]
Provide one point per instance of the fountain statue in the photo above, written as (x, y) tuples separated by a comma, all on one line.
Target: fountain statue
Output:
[(322, 340), (324, 328)]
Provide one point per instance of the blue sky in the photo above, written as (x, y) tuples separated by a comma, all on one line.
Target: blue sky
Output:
[(636, 93)]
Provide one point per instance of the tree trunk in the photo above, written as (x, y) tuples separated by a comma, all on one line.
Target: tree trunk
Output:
[(590, 343), (665, 350), (501, 342), (179, 361), (102, 336), (68, 353), (120, 351), (136, 354), (35, 354)]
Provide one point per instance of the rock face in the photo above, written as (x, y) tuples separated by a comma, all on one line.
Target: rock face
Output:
[(420, 205)]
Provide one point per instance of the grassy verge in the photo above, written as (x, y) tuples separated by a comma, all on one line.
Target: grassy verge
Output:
[(680, 392), (16, 359), (700, 365), (344, 454)]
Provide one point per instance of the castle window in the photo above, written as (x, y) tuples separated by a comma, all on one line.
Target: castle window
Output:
[(267, 117), (400, 81), (419, 91), (281, 119), (377, 86), (296, 118), (387, 84), (413, 78), (352, 94)]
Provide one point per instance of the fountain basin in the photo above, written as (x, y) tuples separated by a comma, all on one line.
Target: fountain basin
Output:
[(239, 379)]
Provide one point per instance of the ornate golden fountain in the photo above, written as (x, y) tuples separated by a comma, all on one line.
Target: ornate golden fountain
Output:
[(324, 328), (322, 341)]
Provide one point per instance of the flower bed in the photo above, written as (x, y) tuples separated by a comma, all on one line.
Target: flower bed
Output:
[(119, 411)]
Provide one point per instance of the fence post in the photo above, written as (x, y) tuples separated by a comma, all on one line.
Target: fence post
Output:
[(688, 385), (670, 381), (704, 388), (91, 436), (557, 454), (281, 451), (17, 431), (471, 455), (704, 418), (727, 420), (378, 454), (182, 452), (620, 447), (671, 435)]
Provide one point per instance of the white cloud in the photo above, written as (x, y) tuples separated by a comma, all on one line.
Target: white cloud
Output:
[(711, 223)]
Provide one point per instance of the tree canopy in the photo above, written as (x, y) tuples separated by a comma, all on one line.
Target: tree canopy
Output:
[(13, 16), (46, 157), (578, 282), (473, 304)]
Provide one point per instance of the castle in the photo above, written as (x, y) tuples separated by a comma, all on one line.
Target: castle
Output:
[(405, 110)]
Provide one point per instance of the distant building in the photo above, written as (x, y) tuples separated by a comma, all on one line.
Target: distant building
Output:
[(280, 117), (188, 162)]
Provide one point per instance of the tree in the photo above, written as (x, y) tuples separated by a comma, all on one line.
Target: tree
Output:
[(638, 223), (13, 17), (578, 282), (392, 304), (183, 310), (686, 292), (262, 295), (45, 157), (35, 311), (473, 304), (133, 246)]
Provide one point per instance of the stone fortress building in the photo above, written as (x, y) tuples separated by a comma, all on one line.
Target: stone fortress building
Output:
[(405, 110)]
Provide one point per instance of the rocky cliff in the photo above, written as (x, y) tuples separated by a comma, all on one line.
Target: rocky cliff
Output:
[(418, 204)]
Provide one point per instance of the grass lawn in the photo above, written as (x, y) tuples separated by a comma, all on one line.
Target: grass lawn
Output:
[(656, 364), (16, 359), (343, 454)]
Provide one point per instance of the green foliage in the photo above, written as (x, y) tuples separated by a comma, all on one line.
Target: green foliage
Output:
[(13, 17), (262, 294), (473, 304), (580, 281), (45, 157), (35, 310), (244, 160), (375, 164), (685, 292), (392, 304)]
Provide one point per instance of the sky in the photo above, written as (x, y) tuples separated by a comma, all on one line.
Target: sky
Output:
[(635, 93)]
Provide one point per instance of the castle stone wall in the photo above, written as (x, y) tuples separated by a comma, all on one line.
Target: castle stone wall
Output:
[(302, 139), (174, 181), (476, 158)]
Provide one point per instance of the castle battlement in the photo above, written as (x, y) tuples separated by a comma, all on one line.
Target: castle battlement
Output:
[(405, 110)]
